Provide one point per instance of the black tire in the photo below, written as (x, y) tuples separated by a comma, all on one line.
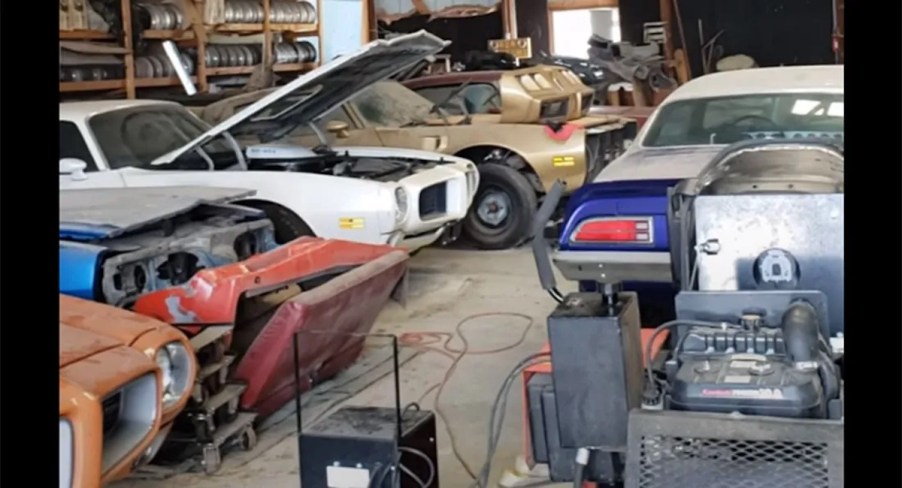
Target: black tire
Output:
[(286, 224), (516, 226)]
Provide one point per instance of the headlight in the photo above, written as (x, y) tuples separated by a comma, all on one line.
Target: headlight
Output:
[(400, 204), (67, 454), (174, 361)]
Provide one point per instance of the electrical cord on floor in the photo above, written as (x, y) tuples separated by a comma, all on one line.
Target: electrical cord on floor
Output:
[(428, 341), (423, 456), (499, 409), (413, 476)]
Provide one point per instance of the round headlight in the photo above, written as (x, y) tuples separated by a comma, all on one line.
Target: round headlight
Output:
[(164, 362), (400, 204), (175, 363)]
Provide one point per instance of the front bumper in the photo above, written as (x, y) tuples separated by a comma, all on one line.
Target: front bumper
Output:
[(342, 287), (614, 266)]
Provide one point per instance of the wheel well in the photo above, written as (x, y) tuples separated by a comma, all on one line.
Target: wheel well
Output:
[(511, 158), (268, 207)]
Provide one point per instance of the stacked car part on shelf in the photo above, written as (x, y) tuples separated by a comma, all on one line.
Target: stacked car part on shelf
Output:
[(280, 12), (91, 73), (222, 55), (158, 66), (291, 52), (159, 15)]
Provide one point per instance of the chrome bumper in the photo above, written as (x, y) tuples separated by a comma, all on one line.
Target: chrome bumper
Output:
[(614, 266)]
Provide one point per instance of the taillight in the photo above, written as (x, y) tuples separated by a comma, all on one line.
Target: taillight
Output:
[(615, 230)]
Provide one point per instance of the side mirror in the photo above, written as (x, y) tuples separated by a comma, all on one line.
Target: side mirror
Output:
[(339, 128), (74, 168)]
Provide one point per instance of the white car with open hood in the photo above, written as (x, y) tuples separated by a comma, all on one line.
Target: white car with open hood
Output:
[(378, 195)]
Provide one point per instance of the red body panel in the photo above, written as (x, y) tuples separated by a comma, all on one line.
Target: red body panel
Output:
[(345, 305), (348, 303), (212, 295)]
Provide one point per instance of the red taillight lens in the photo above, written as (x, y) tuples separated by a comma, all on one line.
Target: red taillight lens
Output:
[(619, 230)]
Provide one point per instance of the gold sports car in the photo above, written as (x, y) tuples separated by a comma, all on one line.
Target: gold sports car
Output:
[(524, 131)]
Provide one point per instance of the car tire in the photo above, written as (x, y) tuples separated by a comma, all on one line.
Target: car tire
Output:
[(507, 195), (286, 224)]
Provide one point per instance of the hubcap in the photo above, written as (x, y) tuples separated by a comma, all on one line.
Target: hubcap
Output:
[(493, 208)]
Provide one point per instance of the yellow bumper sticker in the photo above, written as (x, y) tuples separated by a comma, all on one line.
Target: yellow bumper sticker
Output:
[(563, 161), (350, 223)]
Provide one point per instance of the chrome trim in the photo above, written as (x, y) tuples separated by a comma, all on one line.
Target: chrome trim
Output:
[(614, 266), (67, 453)]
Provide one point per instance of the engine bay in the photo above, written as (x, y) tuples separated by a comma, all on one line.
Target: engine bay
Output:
[(169, 252)]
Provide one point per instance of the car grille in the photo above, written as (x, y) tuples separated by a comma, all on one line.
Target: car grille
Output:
[(112, 408), (129, 415), (433, 201)]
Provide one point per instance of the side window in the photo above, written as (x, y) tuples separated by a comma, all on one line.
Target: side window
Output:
[(438, 94), (481, 98), (72, 145)]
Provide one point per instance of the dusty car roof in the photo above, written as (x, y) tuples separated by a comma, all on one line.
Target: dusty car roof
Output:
[(83, 110), (784, 79), (98, 213)]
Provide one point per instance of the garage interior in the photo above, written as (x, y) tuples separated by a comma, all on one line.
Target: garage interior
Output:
[(502, 327)]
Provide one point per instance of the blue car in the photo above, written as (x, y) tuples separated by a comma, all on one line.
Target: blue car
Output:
[(618, 225), (117, 244)]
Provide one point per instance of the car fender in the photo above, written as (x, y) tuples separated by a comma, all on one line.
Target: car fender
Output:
[(550, 158), (79, 268), (326, 203)]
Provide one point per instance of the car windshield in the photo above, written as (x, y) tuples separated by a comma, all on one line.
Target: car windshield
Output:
[(136, 136), (391, 104), (725, 120)]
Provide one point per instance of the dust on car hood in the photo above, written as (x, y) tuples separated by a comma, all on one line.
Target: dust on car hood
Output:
[(77, 344), (316, 92), (110, 212), (665, 163)]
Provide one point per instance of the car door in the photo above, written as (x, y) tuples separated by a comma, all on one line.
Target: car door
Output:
[(73, 145)]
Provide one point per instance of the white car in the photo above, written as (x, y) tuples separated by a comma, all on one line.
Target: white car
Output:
[(401, 197), (619, 223), (713, 111)]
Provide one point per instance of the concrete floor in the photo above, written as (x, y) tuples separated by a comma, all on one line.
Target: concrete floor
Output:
[(446, 286)]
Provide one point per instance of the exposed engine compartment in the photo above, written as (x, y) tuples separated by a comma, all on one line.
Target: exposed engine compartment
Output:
[(169, 252), (327, 162)]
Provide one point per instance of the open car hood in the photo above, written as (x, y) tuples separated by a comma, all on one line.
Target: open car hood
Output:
[(107, 213), (312, 94)]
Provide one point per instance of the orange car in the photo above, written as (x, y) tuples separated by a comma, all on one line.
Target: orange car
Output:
[(123, 379)]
